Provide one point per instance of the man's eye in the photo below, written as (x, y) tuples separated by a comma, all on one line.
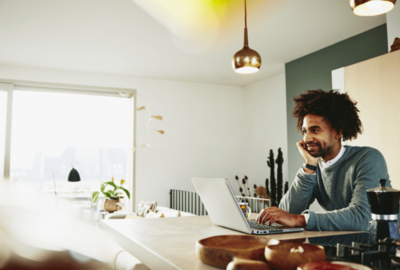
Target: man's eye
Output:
[(315, 130), (304, 131)]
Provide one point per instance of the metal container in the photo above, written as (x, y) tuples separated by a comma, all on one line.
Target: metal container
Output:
[(384, 202)]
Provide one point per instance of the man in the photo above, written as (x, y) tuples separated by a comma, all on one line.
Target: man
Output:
[(336, 176)]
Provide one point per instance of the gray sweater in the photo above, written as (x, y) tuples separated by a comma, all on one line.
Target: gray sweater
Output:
[(340, 190)]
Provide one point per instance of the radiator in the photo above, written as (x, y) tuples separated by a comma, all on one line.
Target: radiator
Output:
[(190, 202), (186, 201)]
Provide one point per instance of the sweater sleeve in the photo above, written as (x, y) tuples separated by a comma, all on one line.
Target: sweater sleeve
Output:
[(368, 169), (300, 194)]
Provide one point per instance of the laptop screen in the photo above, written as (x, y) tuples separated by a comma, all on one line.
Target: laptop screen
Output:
[(221, 204)]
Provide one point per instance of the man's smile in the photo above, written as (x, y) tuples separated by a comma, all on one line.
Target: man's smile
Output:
[(312, 146)]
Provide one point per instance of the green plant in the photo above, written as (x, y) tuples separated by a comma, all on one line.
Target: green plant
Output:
[(277, 189), (113, 193), (273, 190)]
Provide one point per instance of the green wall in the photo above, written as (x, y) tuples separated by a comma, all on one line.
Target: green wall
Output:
[(313, 72)]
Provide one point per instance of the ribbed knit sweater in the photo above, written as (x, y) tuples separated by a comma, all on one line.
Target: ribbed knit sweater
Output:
[(340, 189)]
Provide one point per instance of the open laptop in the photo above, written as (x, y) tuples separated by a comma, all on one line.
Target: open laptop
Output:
[(224, 210)]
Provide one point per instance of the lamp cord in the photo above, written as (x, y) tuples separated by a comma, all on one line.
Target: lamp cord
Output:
[(245, 14)]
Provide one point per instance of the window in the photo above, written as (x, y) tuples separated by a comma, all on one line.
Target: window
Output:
[(3, 113), (55, 130)]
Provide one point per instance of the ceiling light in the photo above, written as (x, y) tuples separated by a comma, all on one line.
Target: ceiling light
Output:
[(246, 60), (371, 7)]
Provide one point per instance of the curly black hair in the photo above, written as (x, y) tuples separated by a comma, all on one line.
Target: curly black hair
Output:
[(338, 109)]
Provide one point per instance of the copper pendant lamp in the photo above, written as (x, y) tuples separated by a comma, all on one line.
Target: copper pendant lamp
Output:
[(371, 7), (246, 60)]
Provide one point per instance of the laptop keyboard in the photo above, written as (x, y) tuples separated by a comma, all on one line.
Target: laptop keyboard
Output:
[(255, 226)]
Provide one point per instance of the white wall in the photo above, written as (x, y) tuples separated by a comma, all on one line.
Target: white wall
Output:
[(265, 128), (393, 24), (203, 127), (210, 130), (338, 80), (203, 136)]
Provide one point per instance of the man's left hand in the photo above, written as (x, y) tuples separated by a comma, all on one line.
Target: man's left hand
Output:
[(274, 214)]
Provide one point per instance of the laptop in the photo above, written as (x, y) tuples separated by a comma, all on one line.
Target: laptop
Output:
[(224, 210)]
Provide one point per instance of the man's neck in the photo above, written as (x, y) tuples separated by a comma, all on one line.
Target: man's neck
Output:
[(333, 152)]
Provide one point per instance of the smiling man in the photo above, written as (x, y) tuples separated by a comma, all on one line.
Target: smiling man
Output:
[(335, 175)]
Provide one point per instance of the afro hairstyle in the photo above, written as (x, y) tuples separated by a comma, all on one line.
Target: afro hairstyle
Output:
[(336, 108)]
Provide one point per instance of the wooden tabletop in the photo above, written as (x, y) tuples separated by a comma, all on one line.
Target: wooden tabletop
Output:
[(169, 243)]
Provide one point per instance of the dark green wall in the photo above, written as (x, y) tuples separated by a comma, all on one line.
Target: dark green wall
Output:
[(313, 71)]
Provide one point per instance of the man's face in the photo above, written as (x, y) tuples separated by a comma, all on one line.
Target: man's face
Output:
[(318, 135)]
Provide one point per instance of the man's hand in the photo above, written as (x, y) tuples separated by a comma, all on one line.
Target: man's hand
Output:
[(274, 214), (309, 159)]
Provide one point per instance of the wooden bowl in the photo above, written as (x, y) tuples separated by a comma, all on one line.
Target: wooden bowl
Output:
[(332, 266), (280, 257), (220, 250)]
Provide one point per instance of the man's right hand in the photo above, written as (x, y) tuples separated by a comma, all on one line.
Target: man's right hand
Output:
[(274, 214), (308, 158)]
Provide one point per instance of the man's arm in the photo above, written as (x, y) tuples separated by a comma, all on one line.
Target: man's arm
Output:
[(356, 216), (300, 194), (298, 198)]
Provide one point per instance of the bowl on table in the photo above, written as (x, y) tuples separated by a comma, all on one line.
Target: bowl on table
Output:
[(289, 255), (221, 250), (332, 266)]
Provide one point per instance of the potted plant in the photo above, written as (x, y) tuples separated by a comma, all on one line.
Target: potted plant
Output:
[(112, 193)]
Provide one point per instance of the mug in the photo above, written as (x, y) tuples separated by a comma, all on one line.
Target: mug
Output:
[(245, 209)]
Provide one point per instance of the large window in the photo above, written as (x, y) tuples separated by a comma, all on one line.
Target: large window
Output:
[(53, 131), (3, 113)]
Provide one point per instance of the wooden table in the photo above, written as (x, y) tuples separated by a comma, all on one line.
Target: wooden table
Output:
[(169, 243)]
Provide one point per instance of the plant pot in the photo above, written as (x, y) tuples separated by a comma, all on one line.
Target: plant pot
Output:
[(111, 205)]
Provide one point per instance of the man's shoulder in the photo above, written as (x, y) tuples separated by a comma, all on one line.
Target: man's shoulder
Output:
[(361, 150), (363, 153), (368, 163)]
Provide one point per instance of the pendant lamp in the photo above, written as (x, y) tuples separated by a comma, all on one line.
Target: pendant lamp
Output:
[(371, 7), (246, 60)]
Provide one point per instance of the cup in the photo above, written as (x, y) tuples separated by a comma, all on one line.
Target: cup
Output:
[(246, 210)]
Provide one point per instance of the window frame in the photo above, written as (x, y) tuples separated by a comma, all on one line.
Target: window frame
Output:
[(11, 86)]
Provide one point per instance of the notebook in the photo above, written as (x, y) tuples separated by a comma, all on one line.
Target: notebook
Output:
[(224, 210)]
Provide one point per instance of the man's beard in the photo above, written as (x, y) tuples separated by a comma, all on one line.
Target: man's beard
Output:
[(321, 152)]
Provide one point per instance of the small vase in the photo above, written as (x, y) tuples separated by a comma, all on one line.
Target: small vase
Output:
[(111, 205)]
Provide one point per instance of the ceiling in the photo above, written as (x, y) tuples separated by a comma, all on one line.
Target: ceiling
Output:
[(184, 40)]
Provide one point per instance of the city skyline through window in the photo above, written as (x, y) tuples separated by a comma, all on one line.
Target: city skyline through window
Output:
[(51, 132)]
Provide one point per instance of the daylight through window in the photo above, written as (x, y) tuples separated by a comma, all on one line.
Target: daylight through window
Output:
[(51, 132)]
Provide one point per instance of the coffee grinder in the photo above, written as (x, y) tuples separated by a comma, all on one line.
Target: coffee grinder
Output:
[(384, 204)]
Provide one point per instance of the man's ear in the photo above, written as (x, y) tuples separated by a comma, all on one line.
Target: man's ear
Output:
[(338, 134)]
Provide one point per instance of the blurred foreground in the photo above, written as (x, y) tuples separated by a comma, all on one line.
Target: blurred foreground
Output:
[(48, 232)]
